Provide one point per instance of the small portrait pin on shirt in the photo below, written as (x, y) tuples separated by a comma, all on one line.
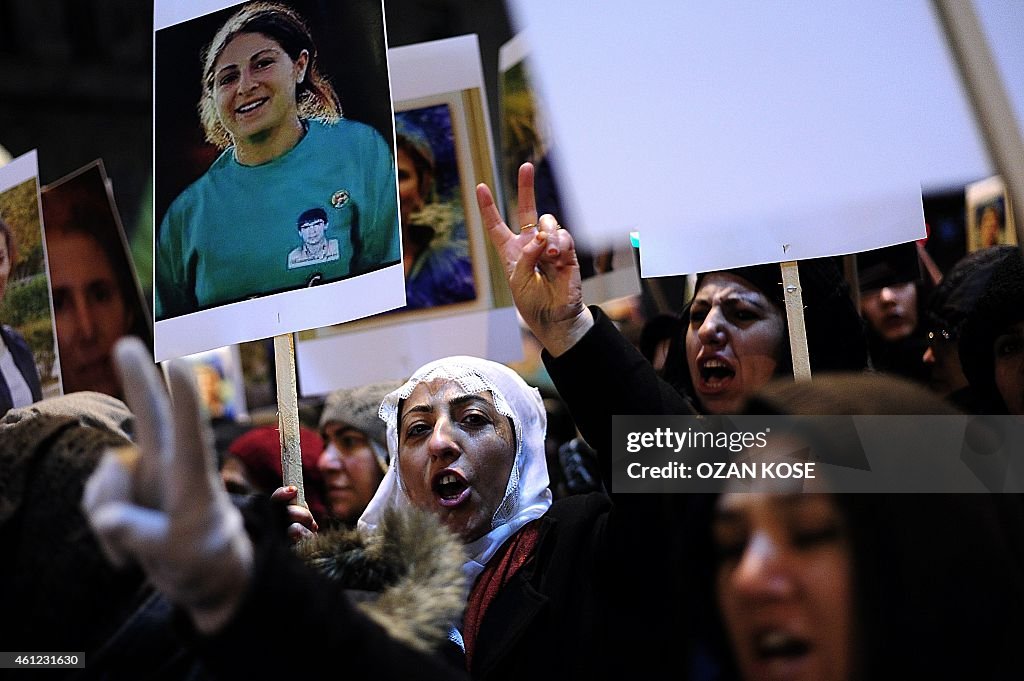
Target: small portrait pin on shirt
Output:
[(340, 198)]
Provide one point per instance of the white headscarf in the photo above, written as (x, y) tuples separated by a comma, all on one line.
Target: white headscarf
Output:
[(527, 496)]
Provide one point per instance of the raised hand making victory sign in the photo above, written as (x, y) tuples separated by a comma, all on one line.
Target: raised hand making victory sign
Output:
[(543, 272)]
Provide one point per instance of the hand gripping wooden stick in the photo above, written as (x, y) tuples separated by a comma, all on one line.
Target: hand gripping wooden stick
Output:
[(288, 414)]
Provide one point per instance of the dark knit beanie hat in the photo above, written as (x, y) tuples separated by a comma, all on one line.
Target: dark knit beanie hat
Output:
[(958, 293)]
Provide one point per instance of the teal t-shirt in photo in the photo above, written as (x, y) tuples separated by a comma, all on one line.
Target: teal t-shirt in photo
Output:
[(233, 233)]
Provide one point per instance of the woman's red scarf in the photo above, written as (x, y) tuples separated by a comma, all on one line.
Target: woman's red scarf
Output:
[(499, 570)]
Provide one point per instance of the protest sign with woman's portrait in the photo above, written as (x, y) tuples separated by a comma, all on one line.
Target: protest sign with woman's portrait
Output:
[(28, 366), (274, 143), (435, 246), (96, 295)]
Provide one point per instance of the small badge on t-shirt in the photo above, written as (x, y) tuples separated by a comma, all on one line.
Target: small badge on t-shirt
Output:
[(340, 198), (315, 247)]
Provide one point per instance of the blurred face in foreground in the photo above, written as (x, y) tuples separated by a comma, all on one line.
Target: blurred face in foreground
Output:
[(733, 341), (783, 585), (455, 455)]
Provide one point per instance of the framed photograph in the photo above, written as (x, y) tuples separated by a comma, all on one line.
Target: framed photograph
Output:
[(445, 264), (527, 136), (457, 293), (275, 192), (989, 215), (29, 370), (258, 375), (220, 382), (96, 293)]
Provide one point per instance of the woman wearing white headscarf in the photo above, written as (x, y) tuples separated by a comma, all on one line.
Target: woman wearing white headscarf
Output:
[(248, 607), (466, 438)]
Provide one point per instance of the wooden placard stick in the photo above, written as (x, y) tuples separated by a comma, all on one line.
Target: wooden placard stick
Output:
[(795, 321), (988, 97), (288, 414)]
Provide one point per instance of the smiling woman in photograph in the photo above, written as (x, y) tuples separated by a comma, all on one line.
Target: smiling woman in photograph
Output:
[(287, 151)]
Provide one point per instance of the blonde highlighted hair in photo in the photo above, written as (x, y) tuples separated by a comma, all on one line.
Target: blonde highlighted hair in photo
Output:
[(315, 97)]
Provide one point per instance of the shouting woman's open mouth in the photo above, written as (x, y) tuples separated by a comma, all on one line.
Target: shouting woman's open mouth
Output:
[(450, 488)]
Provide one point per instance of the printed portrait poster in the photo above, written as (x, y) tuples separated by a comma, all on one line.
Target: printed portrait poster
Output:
[(456, 291), (527, 136), (96, 294), (989, 215), (275, 192), (28, 354)]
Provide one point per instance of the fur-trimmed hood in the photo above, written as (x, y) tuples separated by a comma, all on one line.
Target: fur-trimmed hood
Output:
[(411, 563)]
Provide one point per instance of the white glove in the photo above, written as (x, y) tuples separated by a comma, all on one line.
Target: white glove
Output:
[(162, 504)]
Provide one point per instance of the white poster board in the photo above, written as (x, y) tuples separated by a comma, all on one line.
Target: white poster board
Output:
[(300, 239), (442, 134), (737, 133), (526, 136)]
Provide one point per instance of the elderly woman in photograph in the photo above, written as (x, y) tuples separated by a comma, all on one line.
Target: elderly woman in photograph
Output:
[(19, 379), (287, 150)]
